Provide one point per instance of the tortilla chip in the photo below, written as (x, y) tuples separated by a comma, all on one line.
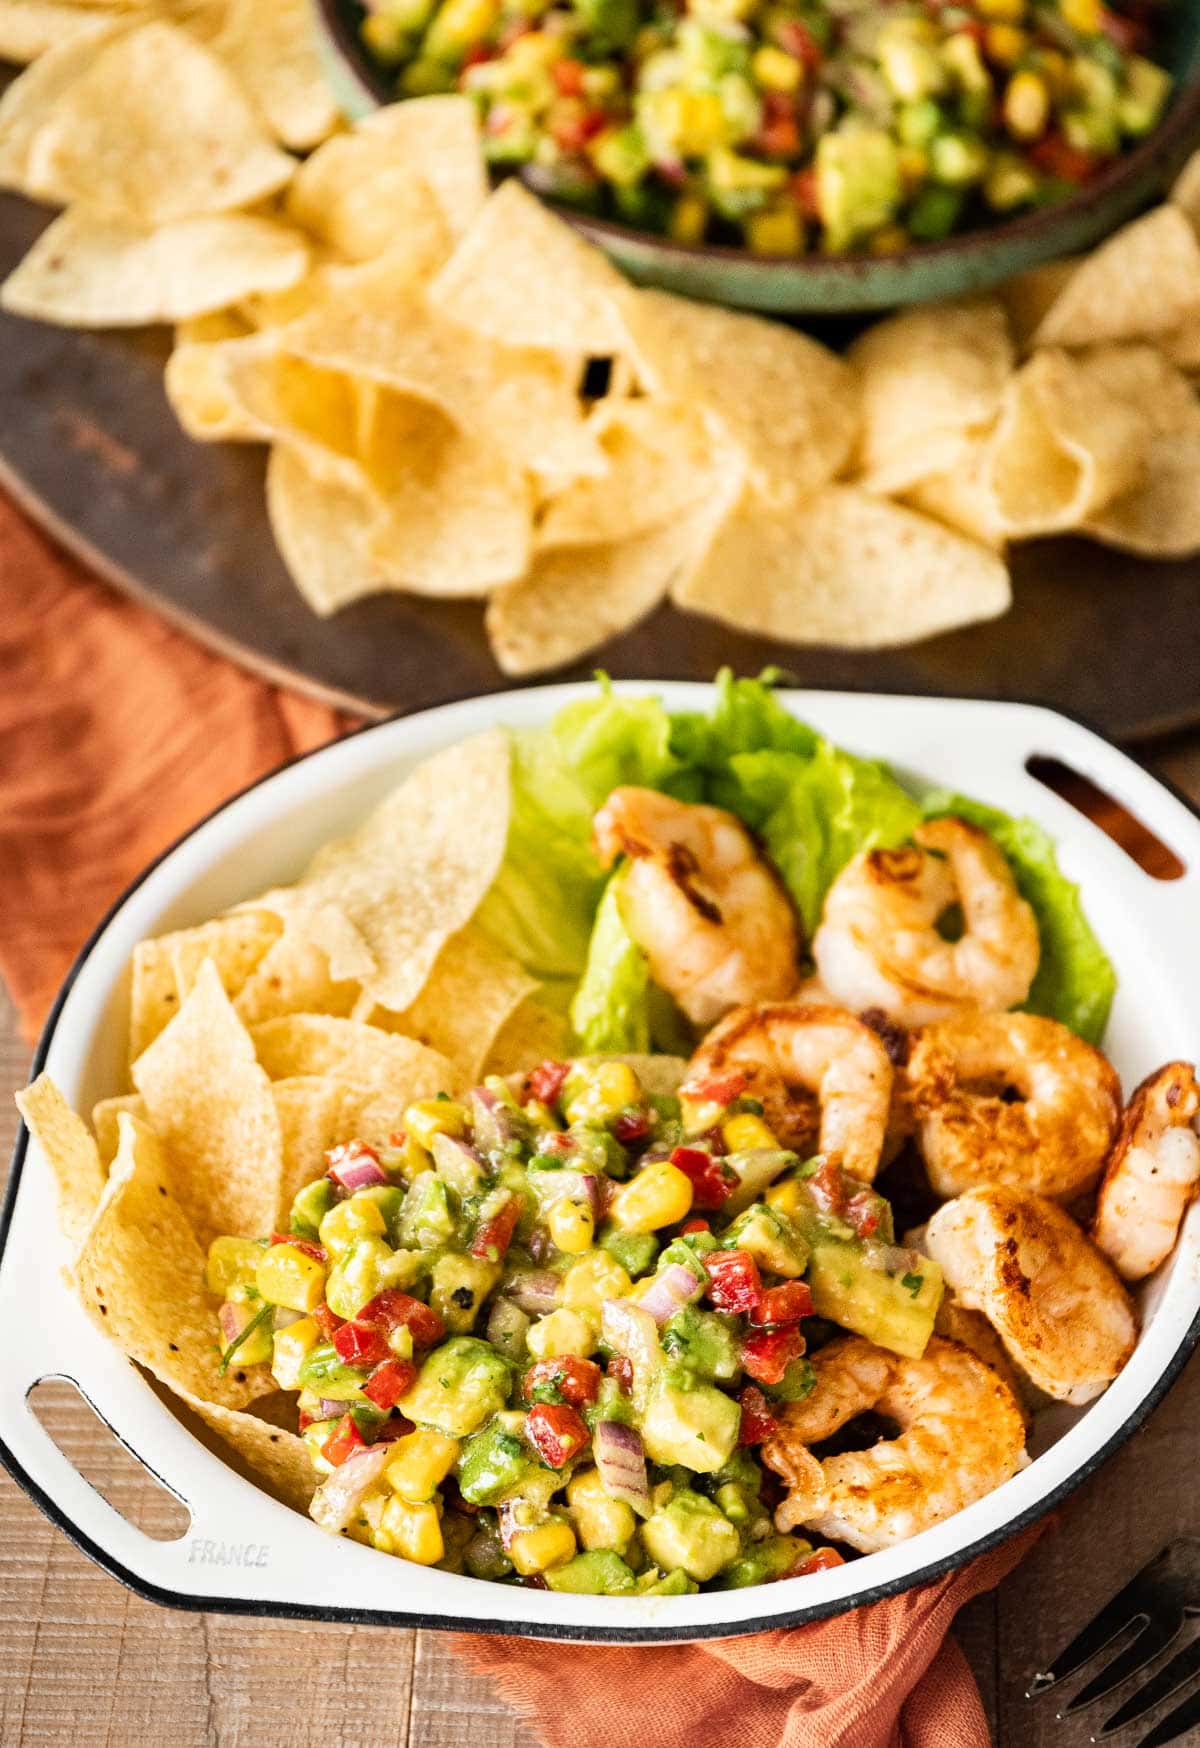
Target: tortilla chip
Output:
[(105, 1125), (1182, 345), (323, 925), (165, 968), (28, 101), (1149, 382), (350, 1052), (86, 271), (457, 515), (418, 867), (198, 384), (155, 129), (293, 977), (310, 1108), (1063, 448), (522, 276), (533, 1033), (844, 568), (662, 457), (930, 376), (468, 996), (322, 527), (273, 55), (1029, 296), (962, 499), (1144, 280), (29, 28), (211, 1103), (788, 404), (1185, 191), (277, 1458), (140, 1276), (576, 597), (69, 1151), (1160, 518)]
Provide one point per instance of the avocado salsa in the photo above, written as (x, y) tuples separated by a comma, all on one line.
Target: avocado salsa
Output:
[(537, 1336), (785, 127)]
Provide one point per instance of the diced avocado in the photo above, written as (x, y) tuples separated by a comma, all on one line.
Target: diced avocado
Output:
[(599, 1573), (909, 59), (737, 185), (858, 183), (427, 1217), (365, 1269), (1147, 88), (934, 213), (895, 1311), (460, 1285), (621, 155), (704, 1342), (609, 25), (611, 1404), (773, 1558), (676, 1583), (771, 1239), (690, 1532), (456, 1164), (635, 1251), (456, 25), (310, 1206), (796, 1383), (709, 52), (491, 1464), (755, 1168), (321, 1370), (389, 1199), (697, 1428), (461, 1384)]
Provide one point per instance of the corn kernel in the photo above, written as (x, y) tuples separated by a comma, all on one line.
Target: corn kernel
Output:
[(537, 1550), (600, 1521), (346, 1222), (688, 220), (561, 1332), (787, 1198), (571, 1226), (232, 1264), (1026, 106), (746, 1131), (658, 1196), (889, 241), (1005, 43), (429, 1117), (1082, 15), (287, 1277), (291, 1346), (592, 1280), (914, 167), (414, 1531), (606, 1090), (421, 1463), (777, 231), (775, 70), (1010, 11)]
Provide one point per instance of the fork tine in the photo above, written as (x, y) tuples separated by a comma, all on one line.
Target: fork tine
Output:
[(1128, 1608), (1170, 1678), (1152, 1639), (1176, 1724)]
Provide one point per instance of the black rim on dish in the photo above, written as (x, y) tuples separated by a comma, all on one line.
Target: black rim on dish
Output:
[(524, 1629)]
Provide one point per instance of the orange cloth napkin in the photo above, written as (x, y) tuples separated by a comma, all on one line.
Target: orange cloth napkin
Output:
[(116, 734)]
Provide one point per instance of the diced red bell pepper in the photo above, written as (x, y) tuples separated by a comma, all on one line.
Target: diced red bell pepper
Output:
[(494, 1236), (1130, 34), (474, 57), (556, 1432), (316, 1251), (631, 1126), (568, 76), (757, 1422), (804, 193), (798, 40), (768, 1354), (343, 1441), (862, 1212), (393, 1309), (778, 135), (358, 1344), (733, 1280), (820, 1560), (547, 1079), (577, 1380), (327, 1321), (720, 1090), (620, 1367), (1055, 157), (389, 1381), (574, 125), (712, 1184), (827, 1188), (696, 1225), (784, 1304)]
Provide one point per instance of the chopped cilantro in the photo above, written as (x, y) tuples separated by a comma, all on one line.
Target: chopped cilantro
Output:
[(914, 1283)]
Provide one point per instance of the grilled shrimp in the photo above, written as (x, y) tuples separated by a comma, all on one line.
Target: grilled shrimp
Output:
[(1012, 1099), (878, 945), (1050, 1295), (972, 1329), (961, 1435), (1151, 1174), (711, 916), (823, 1077)]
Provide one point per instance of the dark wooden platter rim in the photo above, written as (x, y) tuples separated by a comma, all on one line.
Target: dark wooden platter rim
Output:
[(90, 448)]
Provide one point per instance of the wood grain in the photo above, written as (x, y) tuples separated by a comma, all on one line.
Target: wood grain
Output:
[(82, 1660)]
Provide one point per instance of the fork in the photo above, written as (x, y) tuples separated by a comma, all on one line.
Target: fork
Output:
[(1152, 1608)]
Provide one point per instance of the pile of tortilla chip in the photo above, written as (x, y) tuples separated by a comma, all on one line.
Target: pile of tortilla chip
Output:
[(304, 1018), (463, 399)]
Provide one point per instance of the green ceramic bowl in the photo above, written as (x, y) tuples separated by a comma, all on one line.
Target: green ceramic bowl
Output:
[(829, 284)]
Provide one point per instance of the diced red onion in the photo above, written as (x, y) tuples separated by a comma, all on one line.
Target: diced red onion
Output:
[(356, 1170), (458, 1163), (283, 1318), (506, 1326), (574, 1186), (634, 1333), (340, 1494), (494, 1122), (622, 1464), (232, 1318), (670, 1290), (535, 1291), (331, 1407)]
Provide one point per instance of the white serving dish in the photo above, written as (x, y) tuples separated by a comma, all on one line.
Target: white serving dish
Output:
[(244, 1552)]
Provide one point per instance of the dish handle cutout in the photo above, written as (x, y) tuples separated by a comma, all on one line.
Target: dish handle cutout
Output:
[(1112, 817), (92, 1448)]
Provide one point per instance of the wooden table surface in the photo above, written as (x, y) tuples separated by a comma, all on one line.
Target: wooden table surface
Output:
[(84, 1661)]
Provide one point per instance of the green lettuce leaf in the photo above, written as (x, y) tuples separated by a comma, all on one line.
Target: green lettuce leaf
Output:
[(611, 1010), (1075, 981)]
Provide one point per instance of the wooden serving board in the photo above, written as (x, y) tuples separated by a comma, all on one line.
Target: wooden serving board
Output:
[(90, 447)]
